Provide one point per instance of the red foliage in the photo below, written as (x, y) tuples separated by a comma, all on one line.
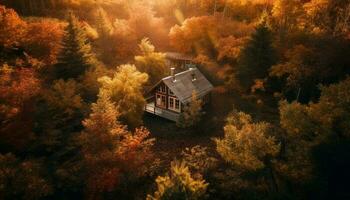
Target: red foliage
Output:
[(17, 89), (12, 27), (43, 40), (134, 151)]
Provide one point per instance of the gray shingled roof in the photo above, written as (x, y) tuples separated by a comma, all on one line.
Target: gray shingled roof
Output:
[(184, 86)]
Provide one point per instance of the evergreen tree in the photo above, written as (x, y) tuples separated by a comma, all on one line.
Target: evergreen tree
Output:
[(104, 29), (76, 56), (103, 24), (257, 56)]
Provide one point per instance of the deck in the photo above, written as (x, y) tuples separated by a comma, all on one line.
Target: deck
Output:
[(150, 108)]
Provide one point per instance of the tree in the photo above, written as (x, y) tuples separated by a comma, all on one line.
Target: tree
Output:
[(90, 85), (297, 72), (203, 34), (43, 40), (247, 145), (329, 15), (76, 55), (308, 126), (192, 112), (328, 116), (257, 56), (287, 18), (250, 149), (144, 22), (57, 118), (105, 30), (151, 62), (198, 159), (125, 90), (64, 97), (22, 179), (179, 185), (110, 151), (13, 28), (230, 48), (19, 88), (193, 35), (104, 26), (299, 141)]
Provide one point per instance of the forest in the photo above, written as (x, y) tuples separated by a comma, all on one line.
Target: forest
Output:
[(74, 75)]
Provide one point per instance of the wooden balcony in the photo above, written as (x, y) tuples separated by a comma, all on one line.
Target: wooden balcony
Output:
[(151, 108)]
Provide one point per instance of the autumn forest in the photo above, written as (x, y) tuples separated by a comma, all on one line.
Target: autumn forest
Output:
[(92, 107)]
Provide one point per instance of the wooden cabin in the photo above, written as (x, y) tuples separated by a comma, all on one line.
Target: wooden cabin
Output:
[(169, 96), (179, 61)]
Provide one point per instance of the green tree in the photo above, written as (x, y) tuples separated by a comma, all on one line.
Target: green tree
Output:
[(151, 62), (257, 56), (192, 112), (179, 184), (327, 117), (76, 55), (199, 159), (125, 89), (247, 145), (307, 126)]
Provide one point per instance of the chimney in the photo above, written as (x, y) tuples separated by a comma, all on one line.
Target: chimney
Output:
[(173, 73), (193, 75)]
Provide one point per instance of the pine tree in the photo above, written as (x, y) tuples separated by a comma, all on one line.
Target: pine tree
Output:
[(76, 56), (104, 28), (103, 24), (257, 56)]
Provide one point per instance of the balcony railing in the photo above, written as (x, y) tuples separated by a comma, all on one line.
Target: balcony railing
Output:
[(151, 108)]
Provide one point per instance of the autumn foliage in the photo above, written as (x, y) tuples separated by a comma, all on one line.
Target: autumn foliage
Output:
[(75, 77)]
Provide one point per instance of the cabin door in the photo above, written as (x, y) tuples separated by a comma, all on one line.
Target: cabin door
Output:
[(161, 100), (174, 104)]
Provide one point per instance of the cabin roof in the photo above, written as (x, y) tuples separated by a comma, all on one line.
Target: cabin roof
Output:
[(177, 56), (184, 86)]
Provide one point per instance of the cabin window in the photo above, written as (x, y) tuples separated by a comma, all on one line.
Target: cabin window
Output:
[(170, 92), (171, 102), (162, 89), (174, 104), (177, 104)]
